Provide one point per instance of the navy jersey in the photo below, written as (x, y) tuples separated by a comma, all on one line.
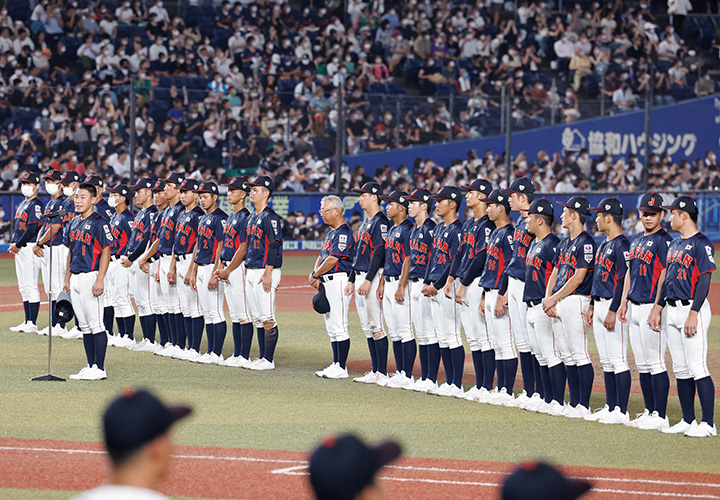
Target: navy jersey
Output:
[(539, 265), (27, 222), (141, 228), (86, 239), (339, 243), (648, 255), (235, 233), (499, 252), (69, 207), (155, 220), (167, 226), (53, 206), (120, 227), (264, 229), (475, 238), (103, 208), (397, 247), (211, 229), (687, 259), (573, 255), (521, 242), (420, 244), (186, 229), (371, 236), (445, 248), (611, 264)]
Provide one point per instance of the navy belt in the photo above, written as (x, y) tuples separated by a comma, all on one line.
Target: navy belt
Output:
[(415, 280), (635, 302), (392, 278), (675, 303), (184, 256), (329, 277), (597, 298), (533, 303)]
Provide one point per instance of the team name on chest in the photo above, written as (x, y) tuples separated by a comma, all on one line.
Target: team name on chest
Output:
[(493, 251), (184, 228), (168, 223), (441, 245), (681, 258), (604, 262), (418, 246), (256, 231), (522, 237), (567, 258), (641, 253), (206, 231), (80, 236), (364, 237), (394, 244)]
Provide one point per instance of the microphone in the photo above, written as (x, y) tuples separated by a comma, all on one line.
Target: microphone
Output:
[(52, 215)]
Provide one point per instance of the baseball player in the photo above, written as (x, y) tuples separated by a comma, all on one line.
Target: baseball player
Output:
[(138, 243), (567, 301), (332, 268), (90, 240), (493, 280), (521, 194), (445, 247), (611, 336), (27, 266), (69, 182), (420, 245), (690, 263), (231, 270), (367, 264), (467, 269), (51, 233), (539, 265), (393, 290), (646, 274), (263, 261), (118, 276)]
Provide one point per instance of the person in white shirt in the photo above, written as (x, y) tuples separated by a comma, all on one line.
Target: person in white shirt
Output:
[(21, 41), (159, 11), (139, 446), (156, 49), (6, 43), (623, 99), (668, 48)]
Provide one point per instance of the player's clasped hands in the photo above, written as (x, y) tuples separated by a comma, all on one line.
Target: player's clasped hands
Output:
[(429, 291), (548, 305)]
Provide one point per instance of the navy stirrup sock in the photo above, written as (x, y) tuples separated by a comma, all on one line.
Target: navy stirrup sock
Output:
[(343, 349), (162, 328), (511, 366), (334, 347), (488, 368), (33, 310), (198, 325), (181, 334), (686, 395), (423, 355), (271, 340), (246, 335), (26, 310), (527, 371), (433, 361), (398, 355), (706, 395), (381, 349), (220, 331), (623, 381), (546, 393), (557, 382), (100, 340), (409, 353), (478, 366), (539, 384), (446, 356), (611, 394), (210, 329), (586, 374), (237, 339), (108, 318), (458, 361), (573, 382), (660, 390), (170, 326), (89, 344), (647, 391), (261, 341)]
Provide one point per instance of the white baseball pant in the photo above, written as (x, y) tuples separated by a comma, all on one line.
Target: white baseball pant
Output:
[(689, 354), (648, 346), (236, 296), (446, 318), (212, 302), (517, 309), (611, 345), (369, 308), (59, 262), (117, 281), (336, 321), (500, 328), (475, 326), (540, 330), (88, 309), (260, 302), (170, 292), (27, 268), (571, 336), (142, 286), (189, 299), (397, 314), (422, 315)]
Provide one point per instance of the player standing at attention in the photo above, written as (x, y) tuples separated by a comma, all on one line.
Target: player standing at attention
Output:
[(420, 244), (332, 268), (118, 277), (393, 290), (231, 270), (27, 267), (52, 230), (445, 312), (567, 300), (367, 265), (611, 336), (263, 261), (521, 194), (539, 266), (467, 269), (139, 240), (690, 263), (69, 183), (90, 242), (493, 280), (646, 274)]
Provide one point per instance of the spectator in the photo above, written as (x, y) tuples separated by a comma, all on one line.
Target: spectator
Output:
[(705, 85)]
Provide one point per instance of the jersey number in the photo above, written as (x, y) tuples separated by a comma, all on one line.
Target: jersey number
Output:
[(442, 259), (682, 274), (420, 260), (83, 250), (535, 276), (643, 269), (604, 275), (256, 244), (396, 258), (492, 265)]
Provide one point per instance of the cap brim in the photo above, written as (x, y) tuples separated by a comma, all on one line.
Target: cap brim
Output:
[(580, 486), (387, 452), (259, 185), (113, 191), (179, 412), (509, 191), (654, 210), (437, 197), (564, 204), (669, 207), (355, 190)]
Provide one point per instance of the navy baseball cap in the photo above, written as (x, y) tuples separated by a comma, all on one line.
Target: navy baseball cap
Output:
[(397, 196), (578, 203), (135, 419), (30, 178), (69, 177), (175, 178), (238, 183), (610, 206), (190, 185), (497, 196), (343, 466), (120, 189), (542, 207), (143, 183), (422, 195), (320, 301), (159, 185), (684, 203), (369, 187), (541, 481), (263, 181), (520, 185), (95, 180), (54, 175), (207, 187), (651, 202), (449, 193), (482, 185)]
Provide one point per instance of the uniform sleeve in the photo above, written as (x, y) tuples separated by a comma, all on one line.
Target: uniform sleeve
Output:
[(585, 255), (66, 235), (379, 234), (623, 258), (242, 230), (705, 256), (662, 251), (484, 236), (35, 213), (454, 245), (342, 247), (105, 236), (273, 229)]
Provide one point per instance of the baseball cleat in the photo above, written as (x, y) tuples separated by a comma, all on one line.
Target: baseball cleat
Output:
[(18, 328), (501, 397), (165, 351), (533, 403), (400, 381), (28, 327), (441, 390), (74, 333), (217, 359), (193, 355), (472, 393), (615, 417), (263, 364), (111, 340), (519, 401), (654, 422), (43, 331), (80, 374), (680, 428), (544, 407), (382, 379), (578, 412), (556, 409), (336, 372), (234, 361), (205, 359), (319, 373), (639, 418), (390, 378), (368, 378), (703, 429), (449, 390), (59, 331), (424, 386), (94, 373), (69, 334), (598, 414)]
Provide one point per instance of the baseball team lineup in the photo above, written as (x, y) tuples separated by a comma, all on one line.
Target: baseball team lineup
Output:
[(523, 297)]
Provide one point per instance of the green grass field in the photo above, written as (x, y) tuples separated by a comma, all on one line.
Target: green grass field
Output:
[(291, 409)]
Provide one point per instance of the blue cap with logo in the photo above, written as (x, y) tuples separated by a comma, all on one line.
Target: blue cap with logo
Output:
[(484, 186), (263, 181), (95, 180), (497, 196), (651, 202), (542, 207), (540, 481), (397, 196), (449, 193), (610, 206), (369, 187), (684, 203), (143, 183), (69, 177), (578, 203), (520, 185), (207, 187), (189, 185), (238, 183)]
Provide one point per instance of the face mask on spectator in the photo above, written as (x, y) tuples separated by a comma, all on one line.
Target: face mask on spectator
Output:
[(45, 113)]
